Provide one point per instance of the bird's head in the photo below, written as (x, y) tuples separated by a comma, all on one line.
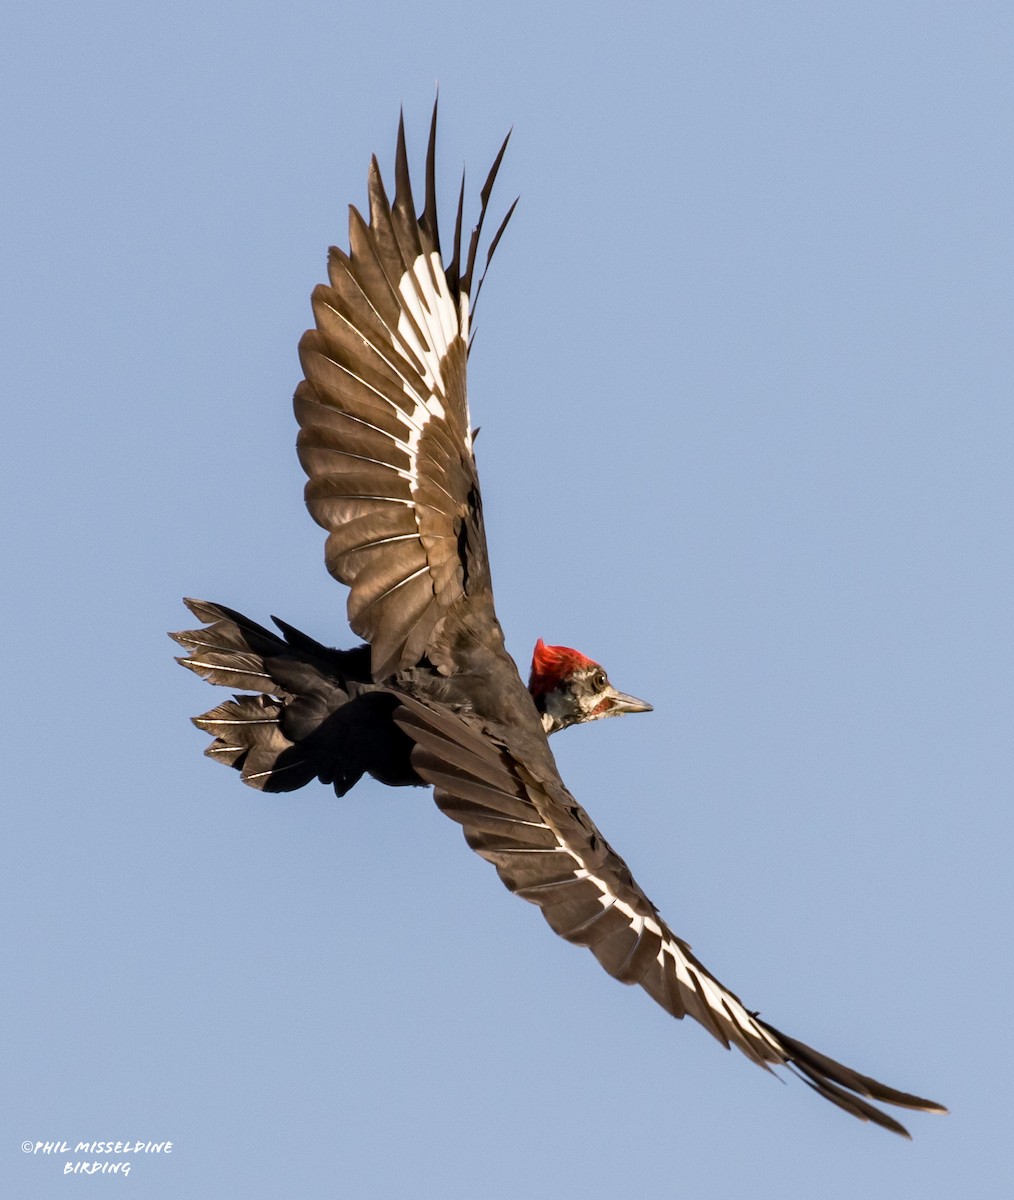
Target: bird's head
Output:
[(569, 688)]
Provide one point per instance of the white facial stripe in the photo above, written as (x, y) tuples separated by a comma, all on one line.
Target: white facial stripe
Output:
[(717, 998)]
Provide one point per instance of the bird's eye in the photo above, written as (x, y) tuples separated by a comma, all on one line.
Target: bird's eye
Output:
[(599, 680)]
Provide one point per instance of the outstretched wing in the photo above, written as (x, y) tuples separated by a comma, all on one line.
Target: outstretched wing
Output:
[(547, 850), (385, 435)]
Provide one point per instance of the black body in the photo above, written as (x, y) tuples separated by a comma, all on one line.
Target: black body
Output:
[(386, 442)]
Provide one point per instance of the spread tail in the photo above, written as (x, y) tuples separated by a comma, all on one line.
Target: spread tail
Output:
[(315, 713)]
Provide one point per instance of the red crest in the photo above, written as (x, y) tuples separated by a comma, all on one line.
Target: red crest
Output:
[(551, 664)]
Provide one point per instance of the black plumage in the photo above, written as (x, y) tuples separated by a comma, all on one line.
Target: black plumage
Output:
[(433, 698)]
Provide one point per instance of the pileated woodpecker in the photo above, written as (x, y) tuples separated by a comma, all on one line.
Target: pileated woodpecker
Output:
[(434, 698)]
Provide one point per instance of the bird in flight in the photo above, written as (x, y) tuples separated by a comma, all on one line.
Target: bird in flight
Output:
[(433, 697)]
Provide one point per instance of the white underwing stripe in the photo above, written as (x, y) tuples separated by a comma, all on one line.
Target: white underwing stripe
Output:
[(719, 1000), (729, 1020), (446, 311), (464, 316), (427, 300), (415, 352), (423, 407), (429, 306), (415, 318)]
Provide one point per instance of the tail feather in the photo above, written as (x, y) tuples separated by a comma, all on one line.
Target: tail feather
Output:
[(231, 651), (247, 735), (250, 732), (315, 713)]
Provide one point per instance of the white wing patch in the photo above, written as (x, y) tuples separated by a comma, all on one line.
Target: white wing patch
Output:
[(428, 310), (428, 325), (716, 997)]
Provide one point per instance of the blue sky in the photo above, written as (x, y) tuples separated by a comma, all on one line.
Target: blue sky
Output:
[(744, 376)]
